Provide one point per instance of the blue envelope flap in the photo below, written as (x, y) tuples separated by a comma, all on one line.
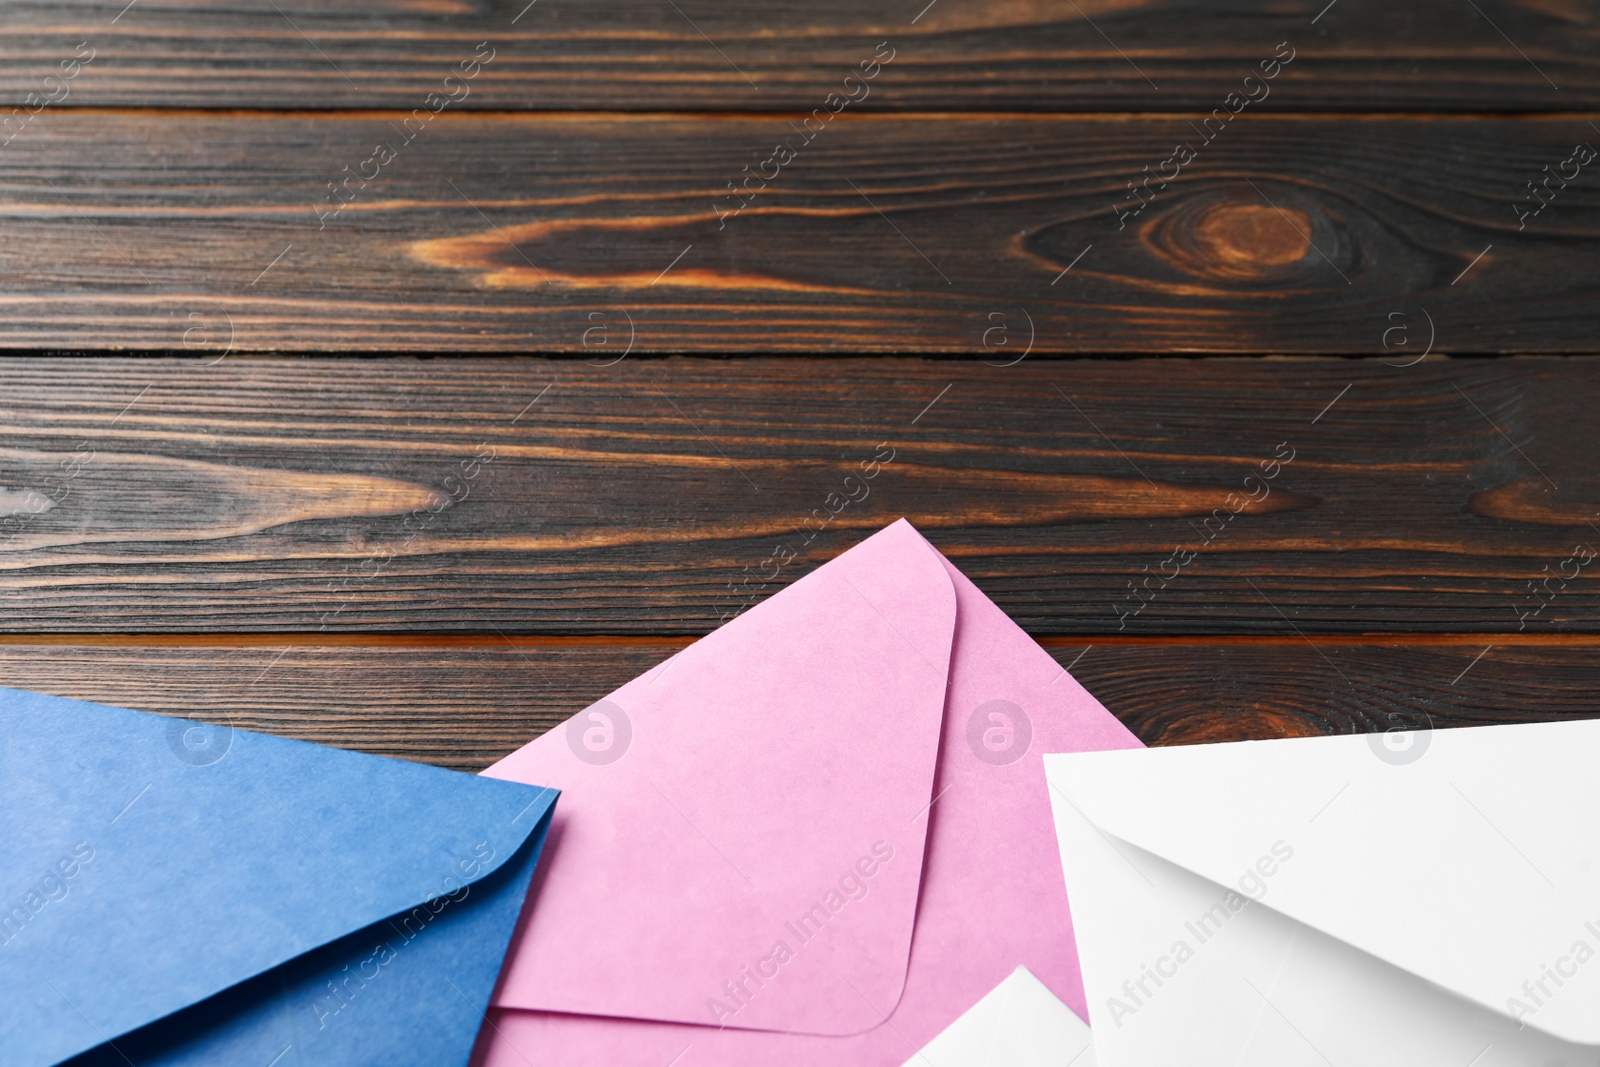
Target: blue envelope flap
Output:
[(150, 863)]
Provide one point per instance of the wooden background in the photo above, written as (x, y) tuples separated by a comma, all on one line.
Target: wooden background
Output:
[(426, 474)]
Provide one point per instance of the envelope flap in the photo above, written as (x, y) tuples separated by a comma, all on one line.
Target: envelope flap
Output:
[(742, 839), (1464, 856), (151, 862)]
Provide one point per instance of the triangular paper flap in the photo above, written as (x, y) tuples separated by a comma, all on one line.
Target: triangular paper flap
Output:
[(747, 817), (992, 894), (151, 862), (410, 990), (1466, 857), (1168, 954)]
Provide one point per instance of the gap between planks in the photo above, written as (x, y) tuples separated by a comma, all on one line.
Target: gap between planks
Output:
[(885, 114), (474, 640)]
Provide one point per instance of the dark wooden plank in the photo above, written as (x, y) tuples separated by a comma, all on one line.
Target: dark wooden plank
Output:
[(465, 708), (659, 496), (460, 708), (1200, 693), (508, 233), (726, 54)]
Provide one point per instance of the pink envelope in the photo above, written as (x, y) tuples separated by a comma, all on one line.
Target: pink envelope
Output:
[(816, 836)]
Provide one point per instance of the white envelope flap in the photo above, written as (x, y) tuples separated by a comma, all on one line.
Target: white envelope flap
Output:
[(1468, 857), (741, 843)]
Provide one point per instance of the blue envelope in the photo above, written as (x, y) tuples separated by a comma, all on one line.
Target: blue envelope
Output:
[(173, 893)]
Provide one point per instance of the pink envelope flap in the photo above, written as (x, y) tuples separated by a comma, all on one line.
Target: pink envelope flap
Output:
[(992, 895), (721, 810)]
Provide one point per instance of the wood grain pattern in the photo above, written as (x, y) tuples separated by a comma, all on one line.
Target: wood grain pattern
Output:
[(115, 497), (1199, 693), (467, 708), (462, 708), (727, 54), (991, 236), (662, 496)]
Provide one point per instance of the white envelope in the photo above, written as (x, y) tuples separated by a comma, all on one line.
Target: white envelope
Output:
[(1018, 1023), (1416, 899)]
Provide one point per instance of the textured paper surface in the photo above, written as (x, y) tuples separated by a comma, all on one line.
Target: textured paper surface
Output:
[(986, 897), (1386, 899), (152, 863)]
